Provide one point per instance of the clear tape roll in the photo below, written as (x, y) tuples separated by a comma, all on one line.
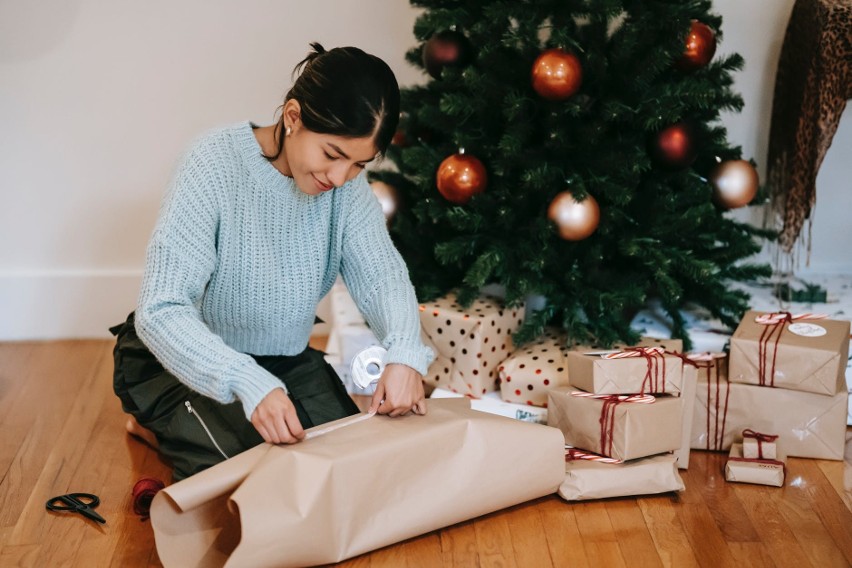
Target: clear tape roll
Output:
[(368, 366)]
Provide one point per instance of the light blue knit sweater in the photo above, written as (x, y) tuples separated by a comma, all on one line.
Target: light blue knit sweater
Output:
[(240, 258)]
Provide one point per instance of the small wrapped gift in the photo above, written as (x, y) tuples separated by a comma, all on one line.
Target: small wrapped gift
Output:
[(355, 485), (616, 426), (753, 470), (803, 352), (469, 343), (532, 370), (632, 370), (809, 425), (588, 476), (759, 446), (493, 404)]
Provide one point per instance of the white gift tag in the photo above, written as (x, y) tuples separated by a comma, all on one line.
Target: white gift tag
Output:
[(807, 329)]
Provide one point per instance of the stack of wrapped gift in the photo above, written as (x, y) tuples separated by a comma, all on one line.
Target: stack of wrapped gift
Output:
[(756, 460), (625, 406), (469, 343), (785, 375), (528, 374)]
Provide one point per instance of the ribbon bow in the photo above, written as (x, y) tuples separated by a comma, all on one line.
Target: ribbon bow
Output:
[(749, 433)]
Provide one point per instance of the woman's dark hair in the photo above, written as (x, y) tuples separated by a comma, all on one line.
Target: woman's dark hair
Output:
[(345, 92)]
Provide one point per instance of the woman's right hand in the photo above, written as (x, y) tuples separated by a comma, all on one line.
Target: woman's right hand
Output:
[(275, 419)]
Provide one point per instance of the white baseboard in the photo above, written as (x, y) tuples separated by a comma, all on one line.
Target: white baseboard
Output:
[(62, 304)]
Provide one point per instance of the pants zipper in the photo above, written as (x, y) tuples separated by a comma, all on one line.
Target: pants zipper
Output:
[(203, 425)]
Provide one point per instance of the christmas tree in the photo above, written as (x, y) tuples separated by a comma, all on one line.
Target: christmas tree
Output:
[(572, 149)]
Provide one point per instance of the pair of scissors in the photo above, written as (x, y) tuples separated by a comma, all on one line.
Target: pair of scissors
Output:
[(83, 503)]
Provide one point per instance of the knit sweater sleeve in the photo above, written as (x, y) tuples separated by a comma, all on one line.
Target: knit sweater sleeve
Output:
[(181, 257), (377, 278)]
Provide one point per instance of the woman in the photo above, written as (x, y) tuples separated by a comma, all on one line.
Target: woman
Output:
[(253, 232)]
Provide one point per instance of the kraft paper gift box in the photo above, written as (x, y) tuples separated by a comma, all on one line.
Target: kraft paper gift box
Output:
[(809, 425), (805, 354), (493, 404), (586, 479), (628, 371), (758, 445), (367, 483), (527, 374), (752, 470), (687, 397), (469, 343), (615, 427)]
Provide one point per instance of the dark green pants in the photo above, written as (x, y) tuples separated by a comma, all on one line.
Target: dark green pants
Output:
[(193, 441)]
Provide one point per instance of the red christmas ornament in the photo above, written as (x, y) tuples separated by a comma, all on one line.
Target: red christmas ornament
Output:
[(446, 48), (460, 177), (674, 146), (556, 75), (700, 47), (400, 139), (575, 220)]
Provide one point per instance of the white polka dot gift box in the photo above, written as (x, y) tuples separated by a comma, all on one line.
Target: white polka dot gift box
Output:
[(469, 343), (532, 370)]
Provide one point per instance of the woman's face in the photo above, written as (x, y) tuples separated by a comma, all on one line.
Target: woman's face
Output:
[(321, 162)]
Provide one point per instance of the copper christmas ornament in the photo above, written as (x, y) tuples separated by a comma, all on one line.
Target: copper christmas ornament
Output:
[(556, 75), (460, 177), (575, 220), (735, 183)]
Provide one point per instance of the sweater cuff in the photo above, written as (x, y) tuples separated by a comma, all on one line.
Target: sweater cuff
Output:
[(415, 355), (251, 383)]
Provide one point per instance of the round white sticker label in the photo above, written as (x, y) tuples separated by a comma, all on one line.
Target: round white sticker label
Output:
[(807, 329)]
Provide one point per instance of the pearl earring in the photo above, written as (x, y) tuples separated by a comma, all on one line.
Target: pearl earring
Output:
[(288, 131)]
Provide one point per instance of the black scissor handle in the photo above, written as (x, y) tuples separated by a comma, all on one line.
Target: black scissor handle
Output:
[(73, 502)]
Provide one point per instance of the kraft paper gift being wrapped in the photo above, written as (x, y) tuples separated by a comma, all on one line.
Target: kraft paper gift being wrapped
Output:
[(809, 425), (470, 343), (587, 479), (493, 404), (795, 352), (367, 483), (646, 370), (753, 470), (619, 427)]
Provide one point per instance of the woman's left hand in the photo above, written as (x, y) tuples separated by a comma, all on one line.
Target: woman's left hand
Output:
[(400, 390)]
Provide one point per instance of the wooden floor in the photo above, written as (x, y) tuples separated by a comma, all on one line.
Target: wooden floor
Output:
[(62, 431)]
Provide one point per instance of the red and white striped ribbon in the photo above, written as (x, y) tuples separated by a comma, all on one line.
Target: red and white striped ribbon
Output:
[(640, 398), (575, 454), (635, 352), (706, 356), (778, 317)]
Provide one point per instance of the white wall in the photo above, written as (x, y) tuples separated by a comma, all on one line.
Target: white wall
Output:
[(98, 99)]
